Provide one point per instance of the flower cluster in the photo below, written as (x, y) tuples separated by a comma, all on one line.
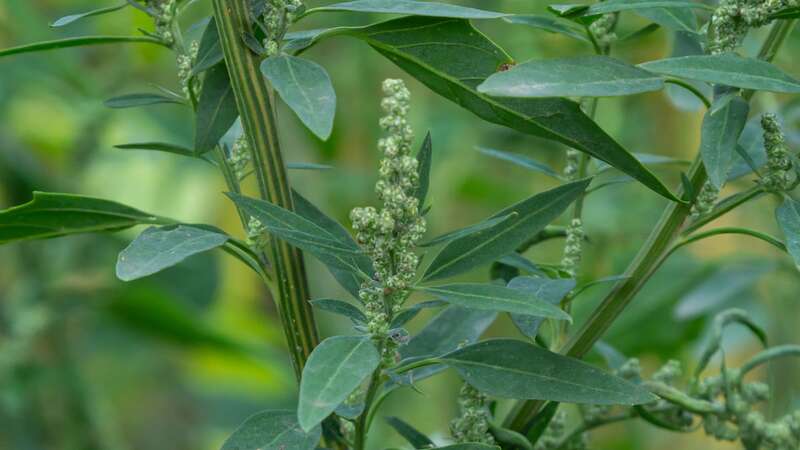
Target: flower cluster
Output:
[(389, 235), (239, 157), (278, 16), (257, 237), (164, 13), (573, 248), (780, 175), (186, 62), (472, 425), (706, 200), (602, 30), (734, 18)]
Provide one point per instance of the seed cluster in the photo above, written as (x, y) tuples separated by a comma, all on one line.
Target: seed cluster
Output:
[(278, 16), (390, 235), (780, 175), (239, 157), (573, 248), (164, 13), (734, 18), (472, 425), (706, 200), (602, 30)]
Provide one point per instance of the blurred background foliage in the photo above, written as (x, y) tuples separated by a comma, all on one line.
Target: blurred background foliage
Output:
[(177, 360)]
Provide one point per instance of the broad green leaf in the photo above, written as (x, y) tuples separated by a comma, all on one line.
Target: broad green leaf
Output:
[(727, 69), (533, 214), (407, 314), (751, 143), (209, 53), (424, 161), (336, 367), (492, 297), (411, 7), (216, 109), (452, 58), (273, 430), (514, 369), (520, 262), (158, 146), (719, 137), (306, 87), (610, 6), (158, 248), (466, 232), (522, 161), (143, 99), (414, 437), (77, 42), (583, 76), (330, 248), (550, 24), (687, 44), (677, 19), (51, 215), (308, 166), (340, 307), (348, 278), (788, 215), (66, 20), (549, 290)]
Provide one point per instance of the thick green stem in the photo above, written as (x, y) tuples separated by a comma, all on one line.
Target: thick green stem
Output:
[(646, 262), (254, 101)]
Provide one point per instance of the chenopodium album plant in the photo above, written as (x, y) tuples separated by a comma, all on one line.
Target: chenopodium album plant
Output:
[(248, 53)]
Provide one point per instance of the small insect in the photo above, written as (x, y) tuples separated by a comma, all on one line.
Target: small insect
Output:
[(506, 66)]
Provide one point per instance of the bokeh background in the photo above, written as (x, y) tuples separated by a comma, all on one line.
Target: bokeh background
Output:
[(178, 360)]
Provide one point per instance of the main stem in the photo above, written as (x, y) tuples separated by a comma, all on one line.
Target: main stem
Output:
[(254, 101), (646, 262)]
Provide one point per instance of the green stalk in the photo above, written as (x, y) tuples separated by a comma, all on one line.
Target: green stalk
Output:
[(254, 101), (646, 262)]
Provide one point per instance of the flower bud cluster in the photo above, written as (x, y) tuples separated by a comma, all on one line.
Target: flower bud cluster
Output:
[(706, 200), (257, 237), (573, 163), (389, 235), (780, 175), (239, 157), (602, 30), (573, 248), (164, 14), (472, 425), (278, 16), (732, 19), (186, 62)]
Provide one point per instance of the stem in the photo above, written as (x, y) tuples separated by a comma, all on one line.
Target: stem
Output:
[(691, 89), (254, 101), (728, 230), (362, 425), (646, 262)]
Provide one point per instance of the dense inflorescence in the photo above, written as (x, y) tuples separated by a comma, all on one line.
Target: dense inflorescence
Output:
[(472, 424), (239, 157), (278, 16), (573, 248), (602, 30), (732, 19), (780, 175), (390, 235), (705, 200)]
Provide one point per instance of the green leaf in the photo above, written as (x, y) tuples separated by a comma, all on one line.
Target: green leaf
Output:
[(466, 232), (327, 245), (158, 146), (160, 247), (407, 314), (216, 109), (648, 159), (751, 143), (727, 69), (550, 24), (342, 308), (610, 6), (492, 297), (514, 369), (307, 166), (209, 53), (411, 7), (77, 42), (451, 57), (424, 161), (142, 99), (533, 214), (414, 437), (522, 161), (306, 87), (335, 368), (719, 288), (273, 430), (676, 19), (788, 215), (719, 137), (583, 76), (66, 20), (51, 215), (549, 290)]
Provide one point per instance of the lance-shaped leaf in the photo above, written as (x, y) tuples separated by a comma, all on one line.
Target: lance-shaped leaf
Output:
[(788, 215), (514, 369), (533, 214), (77, 42), (306, 87), (610, 6), (216, 110), (160, 247), (273, 430), (522, 161), (328, 247), (159, 147), (51, 215), (307, 166), (143, 99), (424, 161), (407, 314), (209, 52), (493, 297), (549, 290), (66, 20), (550, 24), (452, 58), (335, 368), (727, 69), (340, 307), (719, 137), (411, 434), (583, 76), (676, 19), (471, 230), (410, 7)]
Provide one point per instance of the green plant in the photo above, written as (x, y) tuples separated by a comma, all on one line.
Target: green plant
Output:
[(248, 54)]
